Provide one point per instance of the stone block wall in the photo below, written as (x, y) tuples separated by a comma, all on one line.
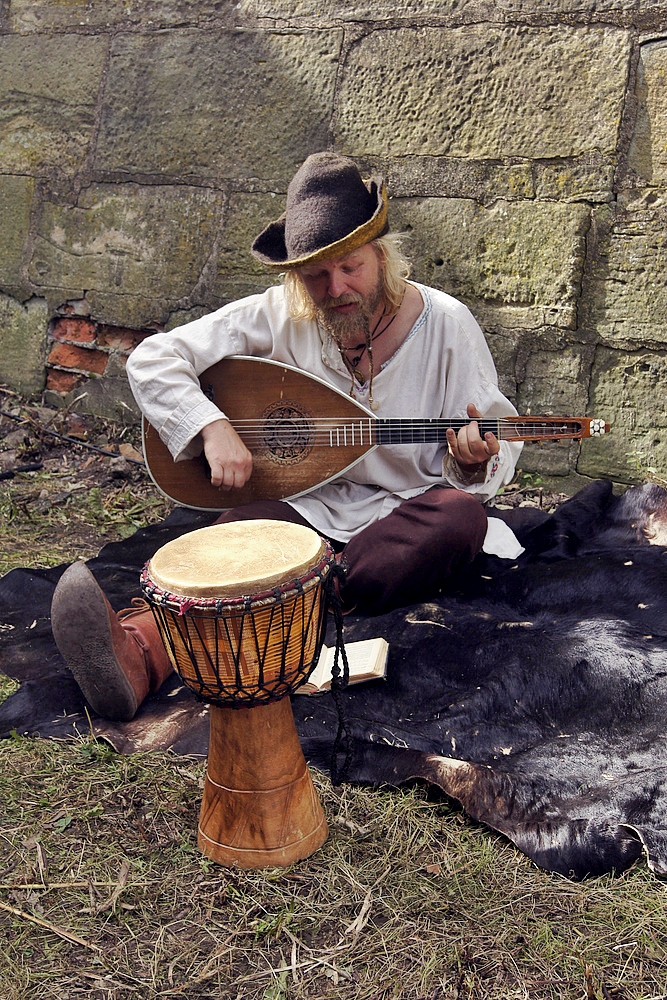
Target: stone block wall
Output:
[(525, 145)]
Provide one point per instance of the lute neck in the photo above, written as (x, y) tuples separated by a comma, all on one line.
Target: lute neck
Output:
[(421, 431)]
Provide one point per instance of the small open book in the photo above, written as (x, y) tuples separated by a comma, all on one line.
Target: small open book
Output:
[(367, 661)]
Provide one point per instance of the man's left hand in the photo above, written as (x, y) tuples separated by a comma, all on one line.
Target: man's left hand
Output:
[(468, 448)]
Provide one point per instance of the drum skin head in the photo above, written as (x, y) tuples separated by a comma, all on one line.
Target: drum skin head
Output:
[(235, 559)]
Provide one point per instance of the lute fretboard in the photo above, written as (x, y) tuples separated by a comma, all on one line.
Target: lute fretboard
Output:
[(331, 432)]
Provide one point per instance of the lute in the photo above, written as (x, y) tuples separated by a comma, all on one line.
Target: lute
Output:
[(303, 433)]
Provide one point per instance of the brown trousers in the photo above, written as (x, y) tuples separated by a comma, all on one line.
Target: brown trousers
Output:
[(404, 557)]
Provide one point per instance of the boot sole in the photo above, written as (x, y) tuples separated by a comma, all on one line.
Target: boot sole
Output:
[(84, 639)]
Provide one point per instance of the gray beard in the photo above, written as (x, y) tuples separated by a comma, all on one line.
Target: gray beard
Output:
[(344, 329)]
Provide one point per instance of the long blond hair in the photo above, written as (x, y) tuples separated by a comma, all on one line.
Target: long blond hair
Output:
[(395, 267)]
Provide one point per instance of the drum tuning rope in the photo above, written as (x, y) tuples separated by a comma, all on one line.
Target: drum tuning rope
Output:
[(339, 680)]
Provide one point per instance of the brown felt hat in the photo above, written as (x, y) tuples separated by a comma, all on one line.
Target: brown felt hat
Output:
[(330, 211)]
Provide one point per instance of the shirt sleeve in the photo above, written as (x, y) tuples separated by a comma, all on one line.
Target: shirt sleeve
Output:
[(163, 370)]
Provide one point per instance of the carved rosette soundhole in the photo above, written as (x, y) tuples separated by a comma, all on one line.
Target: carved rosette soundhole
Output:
[(287, 432)]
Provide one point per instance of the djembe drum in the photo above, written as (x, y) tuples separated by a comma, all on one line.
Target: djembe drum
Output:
[(241, 608)]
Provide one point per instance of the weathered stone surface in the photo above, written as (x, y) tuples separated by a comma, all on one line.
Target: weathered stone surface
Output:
[(457, 12), (585, 178), (625, 301), (15, 202), (483, 91), (553, 458), (564, 7), (237, 272), (588, 177), (554, 384), (182, 316), (629, 390), (648, 150), (23, 338), (516, 264), (57, 15), (504, 347), (217, 104), (369, 10), (440, 176), (48, 93), (135, 251)]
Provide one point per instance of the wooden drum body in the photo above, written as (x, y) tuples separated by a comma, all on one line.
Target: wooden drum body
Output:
[(241, 608)]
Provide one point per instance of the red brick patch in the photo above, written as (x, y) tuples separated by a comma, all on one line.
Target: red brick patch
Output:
[(119, 338), (74, 328), (70, 356), (62, 381)]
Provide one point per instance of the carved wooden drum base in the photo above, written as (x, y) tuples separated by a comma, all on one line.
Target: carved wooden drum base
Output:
[(260, 807)]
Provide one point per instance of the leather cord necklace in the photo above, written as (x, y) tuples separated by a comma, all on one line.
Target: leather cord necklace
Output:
[(352, 363)]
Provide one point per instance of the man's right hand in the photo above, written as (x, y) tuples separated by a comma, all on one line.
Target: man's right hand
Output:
[(229, 459)]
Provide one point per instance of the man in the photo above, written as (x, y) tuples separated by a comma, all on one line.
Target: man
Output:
[(403, 519)]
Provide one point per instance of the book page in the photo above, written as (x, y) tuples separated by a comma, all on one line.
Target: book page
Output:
[(367, 659)]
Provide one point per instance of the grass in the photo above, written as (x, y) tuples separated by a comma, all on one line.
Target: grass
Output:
[(407, 899), (39, 514), (104, 893)]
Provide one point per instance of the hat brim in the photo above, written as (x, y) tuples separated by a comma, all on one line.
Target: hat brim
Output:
[(269, 247)]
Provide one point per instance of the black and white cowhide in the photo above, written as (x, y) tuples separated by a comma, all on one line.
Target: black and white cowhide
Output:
[(534, 692)]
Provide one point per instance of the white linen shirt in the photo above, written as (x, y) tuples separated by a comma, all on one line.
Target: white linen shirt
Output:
[(443, 364)]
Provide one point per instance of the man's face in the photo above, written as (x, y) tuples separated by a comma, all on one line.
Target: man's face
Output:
[(348, 292)]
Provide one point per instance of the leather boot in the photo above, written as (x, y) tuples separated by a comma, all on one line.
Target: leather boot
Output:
[(116, 659)]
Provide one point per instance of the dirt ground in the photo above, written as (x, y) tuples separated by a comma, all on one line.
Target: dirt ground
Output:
[(69, 483)]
